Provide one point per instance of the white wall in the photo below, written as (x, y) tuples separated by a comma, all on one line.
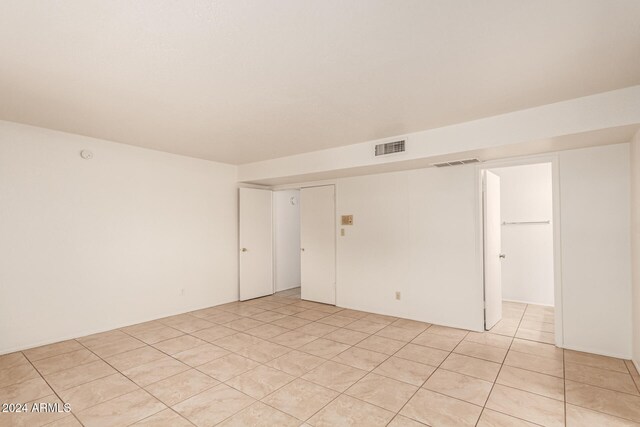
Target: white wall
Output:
[(527, 270), (635, 243), (413, 232), (596, 264), (417, 232), (287, 239), (90, 245)]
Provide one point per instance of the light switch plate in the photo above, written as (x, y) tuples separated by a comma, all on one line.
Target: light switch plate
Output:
[(347, 219)]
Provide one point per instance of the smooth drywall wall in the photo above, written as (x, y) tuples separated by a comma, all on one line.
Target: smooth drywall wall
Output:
[(287, 238), (413, 232), (417, 233), (526, 196), (90, 245), (596, 261), (635, 243)]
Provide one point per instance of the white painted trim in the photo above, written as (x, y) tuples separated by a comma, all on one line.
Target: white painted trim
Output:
[(304, 184), (274, 254), (557, 243), (256, 186), (557, 252)]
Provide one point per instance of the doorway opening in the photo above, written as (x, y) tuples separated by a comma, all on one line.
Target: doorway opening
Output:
[(304, 242), (286, 228), (519, 268)]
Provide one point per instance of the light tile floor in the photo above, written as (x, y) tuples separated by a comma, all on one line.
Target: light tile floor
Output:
[(281, 361)]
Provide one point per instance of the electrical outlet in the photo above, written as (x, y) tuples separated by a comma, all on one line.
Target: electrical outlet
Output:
[(342, 232), (398, 295), (182, 292)]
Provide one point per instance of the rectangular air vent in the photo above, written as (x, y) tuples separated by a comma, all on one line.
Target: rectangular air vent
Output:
[(455, 163), (390, 148)]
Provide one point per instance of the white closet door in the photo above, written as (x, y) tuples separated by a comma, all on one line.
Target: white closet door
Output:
[(492, 250), (256, 244), (318, 244)]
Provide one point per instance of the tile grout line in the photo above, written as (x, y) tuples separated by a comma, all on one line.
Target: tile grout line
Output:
[(427, 379), (365, 375), (451, 352), (153, 415), (319, 320), (500, 369), (260, 364), (129, 379), (343, 393), (632, 376), (52, 389)]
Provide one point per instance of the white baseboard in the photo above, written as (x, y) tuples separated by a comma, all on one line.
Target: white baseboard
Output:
[(527, 302), (88, 332), (286, 289), (601, 353)]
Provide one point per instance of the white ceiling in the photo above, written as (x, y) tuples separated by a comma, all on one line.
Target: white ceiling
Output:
[(246, 80)]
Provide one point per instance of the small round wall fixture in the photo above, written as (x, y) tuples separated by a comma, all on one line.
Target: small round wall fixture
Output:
[(86, 154), (293, 200)]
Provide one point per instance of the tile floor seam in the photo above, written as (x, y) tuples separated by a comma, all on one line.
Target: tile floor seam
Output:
[(603, 413), (371, 371), (227, 385), (602, 388), (276, 390), (175, 375), (311, 382), (48, 357), (529, 391), (500, 369), (86, 382), (53, 390), (632, 377), (542, 357), (512, 416), (344, 392), (423, 383), (601, 368), (139, 387), (153, 415), (349, 346)]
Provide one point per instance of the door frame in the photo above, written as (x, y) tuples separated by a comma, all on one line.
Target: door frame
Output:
[(485, 197), (274, 228), (557, 242), (319, 183)]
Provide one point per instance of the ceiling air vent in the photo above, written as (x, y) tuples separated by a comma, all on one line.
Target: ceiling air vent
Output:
[(456, 163), (390, 148)]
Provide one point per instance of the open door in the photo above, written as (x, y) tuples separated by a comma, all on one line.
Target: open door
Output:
[(492, 250), (256, 245), (318, 244)]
